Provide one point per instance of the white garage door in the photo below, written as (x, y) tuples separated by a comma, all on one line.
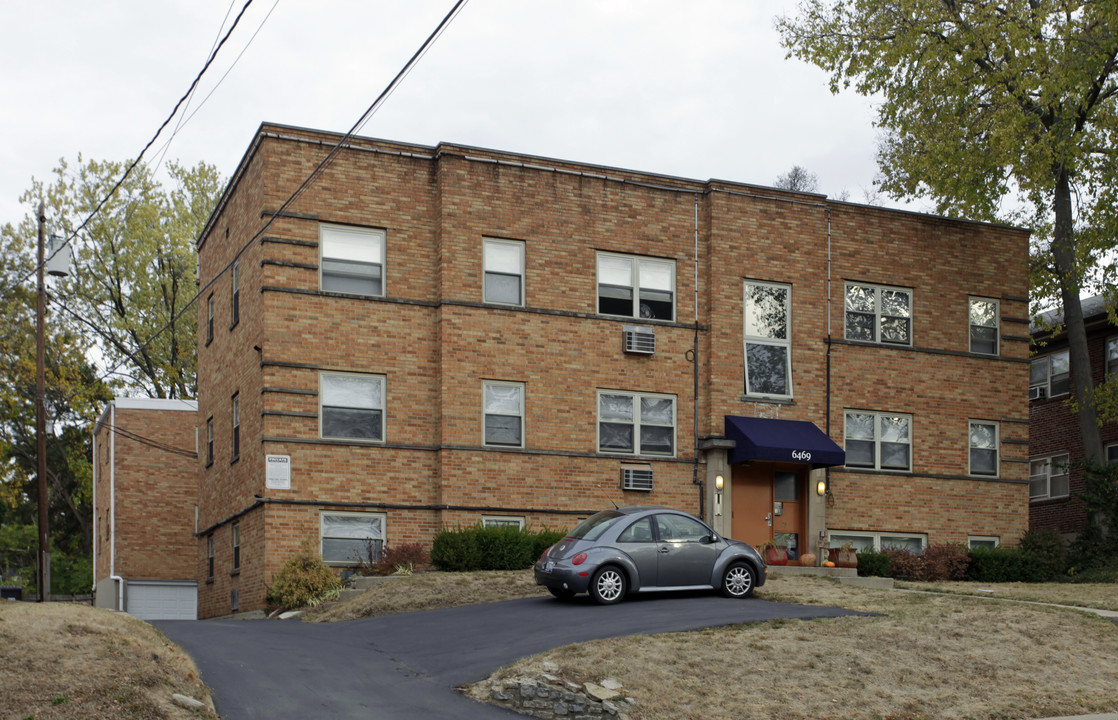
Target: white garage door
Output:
[(162, 599)]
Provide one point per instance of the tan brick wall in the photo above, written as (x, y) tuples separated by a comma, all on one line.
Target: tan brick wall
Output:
[(435, 343), (156, 492)]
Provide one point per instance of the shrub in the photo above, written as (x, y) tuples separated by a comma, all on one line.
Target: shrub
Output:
[(489, 548), (945, 562), (303, 581), (873, 564), (1047, 547), (904, 565), (402, 558), (1096, 547), (1005, 565)]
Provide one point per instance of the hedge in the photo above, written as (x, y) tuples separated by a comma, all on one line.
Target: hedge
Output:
[(489, 548)]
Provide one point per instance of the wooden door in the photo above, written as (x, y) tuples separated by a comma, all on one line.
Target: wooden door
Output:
[(751, 503)]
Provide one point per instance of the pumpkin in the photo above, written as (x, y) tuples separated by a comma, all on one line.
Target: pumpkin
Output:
[(808, 560), (828, 564)]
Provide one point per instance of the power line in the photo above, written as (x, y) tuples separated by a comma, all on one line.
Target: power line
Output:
[(150, 442), (326, 161), (135, 162)]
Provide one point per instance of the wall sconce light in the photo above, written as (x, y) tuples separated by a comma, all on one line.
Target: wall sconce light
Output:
[(718, 482), (821, 487)]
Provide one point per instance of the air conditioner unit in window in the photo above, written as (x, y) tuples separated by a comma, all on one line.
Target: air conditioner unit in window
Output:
[(639, 340), (1038, 392), (636, 477)]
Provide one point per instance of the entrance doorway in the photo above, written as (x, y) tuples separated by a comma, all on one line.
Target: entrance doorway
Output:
[(767, 502)]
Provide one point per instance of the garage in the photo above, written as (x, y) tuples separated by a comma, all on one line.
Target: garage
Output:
[(162, 599)]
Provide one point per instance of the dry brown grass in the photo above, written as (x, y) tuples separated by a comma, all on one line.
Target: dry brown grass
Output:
[(1093, 595), (72, 662), (428, 591), (927, 656)]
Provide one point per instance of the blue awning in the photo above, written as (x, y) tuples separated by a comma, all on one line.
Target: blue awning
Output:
[(781, 441)]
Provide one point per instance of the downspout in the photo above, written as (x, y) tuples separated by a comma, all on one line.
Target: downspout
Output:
[(112, 510), (827, 470), (695, 369), (93, 590)]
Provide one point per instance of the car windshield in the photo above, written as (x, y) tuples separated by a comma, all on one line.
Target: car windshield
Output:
[(595, 525)]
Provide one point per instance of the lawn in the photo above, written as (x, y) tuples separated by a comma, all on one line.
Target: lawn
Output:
[(67, 661)]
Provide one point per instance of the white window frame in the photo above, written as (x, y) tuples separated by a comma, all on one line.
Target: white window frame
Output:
[(235, 300), (487, 272), (1110, 356), (348, 562), (235, 533), (878, 314), (996, 327), (636, 262), (877, 438), (637, 423), (377, 237), (380, 379), (974, 541), (236, 425), (1050, 463), (485, 413), (785, 342), (1112, 453), (1045, 361), (872, 540), (502, 521), (997, 448)]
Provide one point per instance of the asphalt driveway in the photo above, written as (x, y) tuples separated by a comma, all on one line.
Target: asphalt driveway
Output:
[(407, 666)]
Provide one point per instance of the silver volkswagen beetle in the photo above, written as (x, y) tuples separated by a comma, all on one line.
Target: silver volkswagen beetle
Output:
[(645, 548)]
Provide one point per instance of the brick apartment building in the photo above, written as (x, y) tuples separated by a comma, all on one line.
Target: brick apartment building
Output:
[(432, 336), (1055, 444), (145, 479)]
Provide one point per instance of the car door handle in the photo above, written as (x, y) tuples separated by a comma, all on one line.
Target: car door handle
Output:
[(665, 549)]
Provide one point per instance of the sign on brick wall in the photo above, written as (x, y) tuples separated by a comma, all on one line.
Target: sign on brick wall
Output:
[(277, 474)]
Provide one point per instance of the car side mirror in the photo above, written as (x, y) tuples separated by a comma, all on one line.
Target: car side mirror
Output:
[(708, 539)]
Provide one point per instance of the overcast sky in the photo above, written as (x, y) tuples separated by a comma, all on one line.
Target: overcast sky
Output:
[(697, 89)]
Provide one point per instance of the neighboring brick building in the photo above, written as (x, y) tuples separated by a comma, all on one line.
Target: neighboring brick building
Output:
[(431, 336), (1055, 443), (145, 480)]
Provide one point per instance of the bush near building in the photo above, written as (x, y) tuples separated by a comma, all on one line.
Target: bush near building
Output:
[(489, 548)]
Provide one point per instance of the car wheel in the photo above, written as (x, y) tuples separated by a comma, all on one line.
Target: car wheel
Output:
[(737, 581), (608, 586), (560, 593)]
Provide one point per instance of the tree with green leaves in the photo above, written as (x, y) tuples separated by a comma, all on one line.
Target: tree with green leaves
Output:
[(127, 305), (135, 271), (996, 111)]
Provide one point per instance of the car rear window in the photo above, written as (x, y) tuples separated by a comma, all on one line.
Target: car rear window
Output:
[(595, 525)]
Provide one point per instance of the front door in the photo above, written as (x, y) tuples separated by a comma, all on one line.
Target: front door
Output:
[(767, 502)]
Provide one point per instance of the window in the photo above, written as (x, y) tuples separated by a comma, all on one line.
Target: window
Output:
[(983, 541), (1050, 375), (236, 305), (1112, 355), (504, 272), (348, 536), (1048, 477), (504, 414), (878, 314), (209, 319), (501, 521), (768, 344), (882, 441), (209, 442), (878, 542), (210, 558), (352, 406), (236, 426), (636, 287), (236, 547), (352, 259), (640, 531), (676, 528), (983, 448), (636, 423), (984, 326), (1112, 454)]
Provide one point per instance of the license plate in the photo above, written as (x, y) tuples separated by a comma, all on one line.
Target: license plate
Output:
[(548, 566)]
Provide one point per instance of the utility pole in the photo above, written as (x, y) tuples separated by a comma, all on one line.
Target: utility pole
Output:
[(41, 419)]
